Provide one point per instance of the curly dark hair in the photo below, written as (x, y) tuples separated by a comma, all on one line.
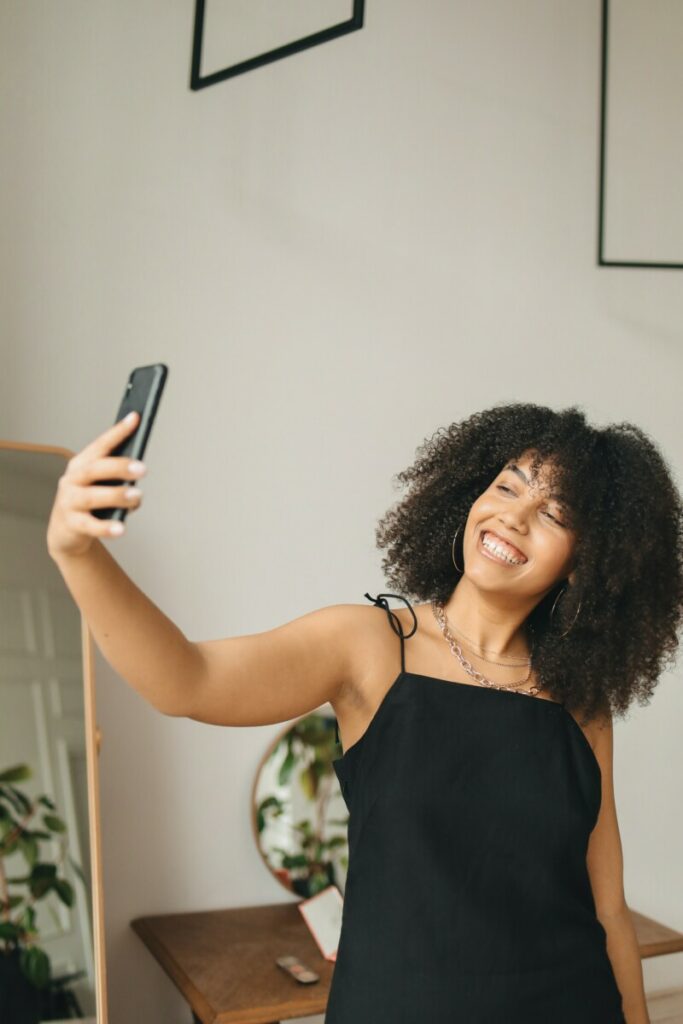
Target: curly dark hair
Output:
[(620, 498)]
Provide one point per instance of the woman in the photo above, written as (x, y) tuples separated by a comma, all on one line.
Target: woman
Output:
[(485, 881)]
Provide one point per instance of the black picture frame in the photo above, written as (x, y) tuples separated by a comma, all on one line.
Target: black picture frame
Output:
[(199, 81), (602, 261)]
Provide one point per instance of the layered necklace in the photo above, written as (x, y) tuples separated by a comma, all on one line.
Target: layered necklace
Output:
[(442, 619)]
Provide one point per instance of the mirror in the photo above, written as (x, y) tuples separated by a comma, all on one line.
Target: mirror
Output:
[(299, 815), (49, 809)]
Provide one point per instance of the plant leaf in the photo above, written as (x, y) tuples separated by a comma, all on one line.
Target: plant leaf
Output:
[(307, 781), (35, 965), (11, 902), (295, 860), (336, 841), (18, 773), (7, 821), (54, 822), (65, 891), (9, 930), (29, 848), (9, 793), (41, 888), (28, 920), (43, 877), (22, 799), (286, 768), (8, 845)]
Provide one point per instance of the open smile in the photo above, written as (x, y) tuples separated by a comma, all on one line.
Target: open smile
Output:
[(498, 559)]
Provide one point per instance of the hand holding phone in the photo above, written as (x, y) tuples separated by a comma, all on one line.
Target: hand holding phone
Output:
[(94, 487), (142, 394)]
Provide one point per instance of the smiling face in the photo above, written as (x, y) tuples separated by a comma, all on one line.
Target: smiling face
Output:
[(540, 546)]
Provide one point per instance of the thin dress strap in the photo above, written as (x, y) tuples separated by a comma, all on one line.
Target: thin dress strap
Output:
[(395, 623)]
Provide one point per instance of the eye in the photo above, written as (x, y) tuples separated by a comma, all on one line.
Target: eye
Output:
[(502, 487), (553, 519)]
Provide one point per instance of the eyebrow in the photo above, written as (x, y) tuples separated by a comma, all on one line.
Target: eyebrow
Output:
[(515, 469)]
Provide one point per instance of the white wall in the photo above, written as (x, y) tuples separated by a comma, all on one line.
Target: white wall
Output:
[(335, 254)]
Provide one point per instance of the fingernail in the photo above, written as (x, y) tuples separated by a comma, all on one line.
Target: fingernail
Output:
[(116, 528), (133, 492), (136, 467), (131, 416)]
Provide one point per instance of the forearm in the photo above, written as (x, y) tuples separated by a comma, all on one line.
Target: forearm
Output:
[(624, 954), (140, 643)]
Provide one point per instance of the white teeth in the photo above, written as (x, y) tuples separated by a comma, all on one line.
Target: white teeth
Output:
[(491, 545)]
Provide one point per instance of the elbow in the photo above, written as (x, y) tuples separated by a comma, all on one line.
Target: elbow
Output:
[(171, 710)]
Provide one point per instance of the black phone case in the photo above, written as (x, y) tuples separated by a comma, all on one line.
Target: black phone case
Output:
[(142, 394)]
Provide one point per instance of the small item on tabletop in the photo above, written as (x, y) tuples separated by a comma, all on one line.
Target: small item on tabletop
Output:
[(323, 915), (298, 969)]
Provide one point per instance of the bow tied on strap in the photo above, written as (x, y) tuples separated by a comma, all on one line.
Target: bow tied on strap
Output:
[(381, 602)]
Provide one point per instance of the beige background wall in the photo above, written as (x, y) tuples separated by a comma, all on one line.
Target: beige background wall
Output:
[(334, 254)]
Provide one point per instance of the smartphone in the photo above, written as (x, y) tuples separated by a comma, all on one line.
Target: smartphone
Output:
[(142, 394)]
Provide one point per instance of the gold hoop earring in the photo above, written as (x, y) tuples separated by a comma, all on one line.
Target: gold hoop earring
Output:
[(550, 617), (453, 550)]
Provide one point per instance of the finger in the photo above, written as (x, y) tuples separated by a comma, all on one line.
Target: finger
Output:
[(108, 497), (79, 498), (111, 437), (112, 467), (94, 527)]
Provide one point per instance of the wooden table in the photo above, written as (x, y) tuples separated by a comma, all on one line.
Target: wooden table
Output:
[(223, 961), (655, 939)]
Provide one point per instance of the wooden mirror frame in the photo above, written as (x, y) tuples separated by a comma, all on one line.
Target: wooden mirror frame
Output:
[(93, 740)]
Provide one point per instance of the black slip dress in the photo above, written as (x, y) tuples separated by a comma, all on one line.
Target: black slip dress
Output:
[(467, 897)]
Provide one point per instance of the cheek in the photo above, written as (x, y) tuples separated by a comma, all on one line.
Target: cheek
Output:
[(482, 507), (553, 552), (481, 511)]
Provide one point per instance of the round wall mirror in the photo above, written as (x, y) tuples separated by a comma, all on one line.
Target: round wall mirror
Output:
[(299, 816)]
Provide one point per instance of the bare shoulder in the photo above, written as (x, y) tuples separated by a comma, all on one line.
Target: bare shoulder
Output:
[(370, 643), (373, 663), (598, 730)]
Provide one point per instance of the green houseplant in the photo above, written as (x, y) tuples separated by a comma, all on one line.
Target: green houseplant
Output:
[(305, 752), (25, 968)]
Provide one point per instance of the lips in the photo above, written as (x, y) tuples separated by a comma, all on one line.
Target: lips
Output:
[(497, 536)]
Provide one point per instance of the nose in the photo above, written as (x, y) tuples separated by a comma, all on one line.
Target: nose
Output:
[(514, 519)]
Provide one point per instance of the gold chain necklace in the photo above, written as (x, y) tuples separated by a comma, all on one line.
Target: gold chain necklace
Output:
[(441, 618), (474, 647)]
